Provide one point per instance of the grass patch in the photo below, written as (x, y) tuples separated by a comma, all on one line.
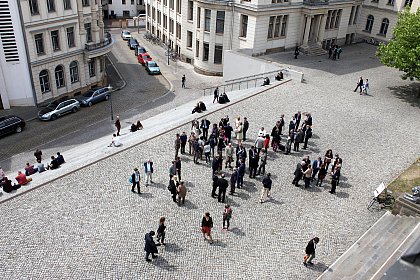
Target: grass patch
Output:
[(407, 180)]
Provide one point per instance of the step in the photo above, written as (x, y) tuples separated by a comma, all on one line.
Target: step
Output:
[(396, 255), (368, 255)]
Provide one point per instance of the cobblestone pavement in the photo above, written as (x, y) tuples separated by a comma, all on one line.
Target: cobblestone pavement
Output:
[(89, 224)]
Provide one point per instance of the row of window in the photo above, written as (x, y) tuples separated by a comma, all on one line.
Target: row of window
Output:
[(333, 19), (277, 27), (44, 76), (354, 14), (34, 8), (218, 52), (384, 25), (55, 39), (391, 2), (123, 2)]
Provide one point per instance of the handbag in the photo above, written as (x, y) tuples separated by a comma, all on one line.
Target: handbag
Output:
[(130, 180)]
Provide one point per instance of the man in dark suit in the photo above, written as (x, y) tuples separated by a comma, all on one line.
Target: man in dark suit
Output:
[(233, 179), (150, 246), (298, 117), (205, 124), (298, 174), (245, 128), (359, 85), (241, 174), (310, 251), (223, 185), (308, 134), (148, 171)]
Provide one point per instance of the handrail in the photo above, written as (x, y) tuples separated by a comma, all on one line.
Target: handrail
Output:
[(104, 43), (244, 83)]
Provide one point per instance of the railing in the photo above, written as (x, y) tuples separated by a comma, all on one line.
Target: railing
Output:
[(315, 2), (245, 83), (106, 42)]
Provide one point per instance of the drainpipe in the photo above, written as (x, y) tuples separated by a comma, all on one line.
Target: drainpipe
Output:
[(231, 4), (22, 25)]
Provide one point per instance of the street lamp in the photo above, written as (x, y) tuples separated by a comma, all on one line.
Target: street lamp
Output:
[(168, 51), (110, 102)]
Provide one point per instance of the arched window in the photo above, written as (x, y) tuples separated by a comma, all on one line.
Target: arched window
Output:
[(44, 81), (59, 76), (384, 26), (369, 23), (74, 72)]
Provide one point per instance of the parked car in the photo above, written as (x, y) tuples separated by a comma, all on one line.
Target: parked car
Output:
[(93, 96), (132, 43), (58, 108), (152, 67), (126, 35), (9, 124), (139, 50), (143, 57)]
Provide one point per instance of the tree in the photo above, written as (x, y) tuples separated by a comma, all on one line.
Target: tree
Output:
[(403, 51)]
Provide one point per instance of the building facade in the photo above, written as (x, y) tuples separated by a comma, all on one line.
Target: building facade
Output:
[(200, 30), (15, 80), (66, 45), (122, 8)]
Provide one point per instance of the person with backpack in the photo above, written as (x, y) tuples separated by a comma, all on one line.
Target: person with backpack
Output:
[(227, 215)]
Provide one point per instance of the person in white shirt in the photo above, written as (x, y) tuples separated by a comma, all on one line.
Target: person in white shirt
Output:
[(148, 170), (365, 87), (262, 132), (116, 141)]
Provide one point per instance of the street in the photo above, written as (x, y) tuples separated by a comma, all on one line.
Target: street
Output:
[(94, 122)]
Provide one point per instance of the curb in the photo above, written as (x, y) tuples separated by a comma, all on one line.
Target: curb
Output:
[(119, 74), (194, 116)]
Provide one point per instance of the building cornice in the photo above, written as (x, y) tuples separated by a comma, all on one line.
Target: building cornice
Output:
[(56, 57), (59, 20)]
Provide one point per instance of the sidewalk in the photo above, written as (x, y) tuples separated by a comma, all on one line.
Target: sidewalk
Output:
[(78, 157)]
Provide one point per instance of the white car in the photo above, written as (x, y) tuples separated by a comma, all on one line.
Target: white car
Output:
[(126, 35)]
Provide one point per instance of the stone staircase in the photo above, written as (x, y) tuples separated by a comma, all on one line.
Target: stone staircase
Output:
[(376, 250), (313, 49)]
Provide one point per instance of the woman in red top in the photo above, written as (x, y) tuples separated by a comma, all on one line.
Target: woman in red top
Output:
[(266, 141), (21, 178), (206, 225)]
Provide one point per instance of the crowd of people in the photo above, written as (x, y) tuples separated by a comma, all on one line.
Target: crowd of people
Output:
[(23, 177), (220, 146)]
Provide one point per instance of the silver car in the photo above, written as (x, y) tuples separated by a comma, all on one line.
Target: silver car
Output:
[(93, 96), (58, 108)]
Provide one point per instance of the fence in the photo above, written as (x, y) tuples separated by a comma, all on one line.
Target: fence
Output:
[(245, 82)]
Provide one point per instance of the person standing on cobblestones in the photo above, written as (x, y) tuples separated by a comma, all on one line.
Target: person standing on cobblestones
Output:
[(223, 185), (215, 184), (267, 182), (177, 145), (148, 171), (205, 125), (161, 231), (206, 226), (150, 246), (118, 125), (172, 170), (227, 215), (229, 155), (246, 127), (310, 251), (233, 180), (178, 166), (191, 141), (241, 174), (182, 193), (135, 178), (183, 138), (183, 81), (298, 174)]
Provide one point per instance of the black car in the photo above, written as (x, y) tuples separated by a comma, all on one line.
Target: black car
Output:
[(9, 124), (132, 43), (139, 50)]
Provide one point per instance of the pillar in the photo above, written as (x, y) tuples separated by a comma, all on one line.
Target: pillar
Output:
[(307, 29), (322, 28)]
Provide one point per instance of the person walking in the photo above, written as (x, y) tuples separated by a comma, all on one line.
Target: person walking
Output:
[(227, 215), (177, 144), (135, 179), (310, 251), (182, 193), (148, 171), (365, 87), (216, 95), (183, 81), (38, 154), (263, 156), (215, 184), (267, 182), (118, 125), (206, 226), (296, 52), (150, 246), (359, 85), (223, 185), (233, 179), (161, 231)]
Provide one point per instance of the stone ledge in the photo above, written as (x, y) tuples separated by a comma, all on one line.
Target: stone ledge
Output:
[(405, 207)]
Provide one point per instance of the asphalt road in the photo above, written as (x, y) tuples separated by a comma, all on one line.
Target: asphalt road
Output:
[(90, 123)]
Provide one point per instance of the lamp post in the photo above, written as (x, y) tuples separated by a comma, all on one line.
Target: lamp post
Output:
[(168, 51), (110, 102)]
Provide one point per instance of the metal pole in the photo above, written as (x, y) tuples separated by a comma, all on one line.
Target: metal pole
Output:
[(168, 52), (112, 112)]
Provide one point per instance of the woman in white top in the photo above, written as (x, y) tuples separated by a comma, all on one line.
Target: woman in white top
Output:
[(239, 133)]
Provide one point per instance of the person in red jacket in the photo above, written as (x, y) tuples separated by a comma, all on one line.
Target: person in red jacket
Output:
[(21, 179)]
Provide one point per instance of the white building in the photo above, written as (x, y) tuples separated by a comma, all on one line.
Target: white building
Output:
[(122, 8), (15, 80), (199, 30), (66, 44)]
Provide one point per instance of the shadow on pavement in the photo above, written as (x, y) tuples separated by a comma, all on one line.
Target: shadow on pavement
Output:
[(409, 94), (237, 231), (164, 264), (173, 247)]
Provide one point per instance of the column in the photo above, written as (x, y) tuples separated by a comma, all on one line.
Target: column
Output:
[(322, 28), (307, 29)]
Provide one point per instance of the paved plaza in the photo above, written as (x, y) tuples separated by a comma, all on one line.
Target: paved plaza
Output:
[(89, 225)]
